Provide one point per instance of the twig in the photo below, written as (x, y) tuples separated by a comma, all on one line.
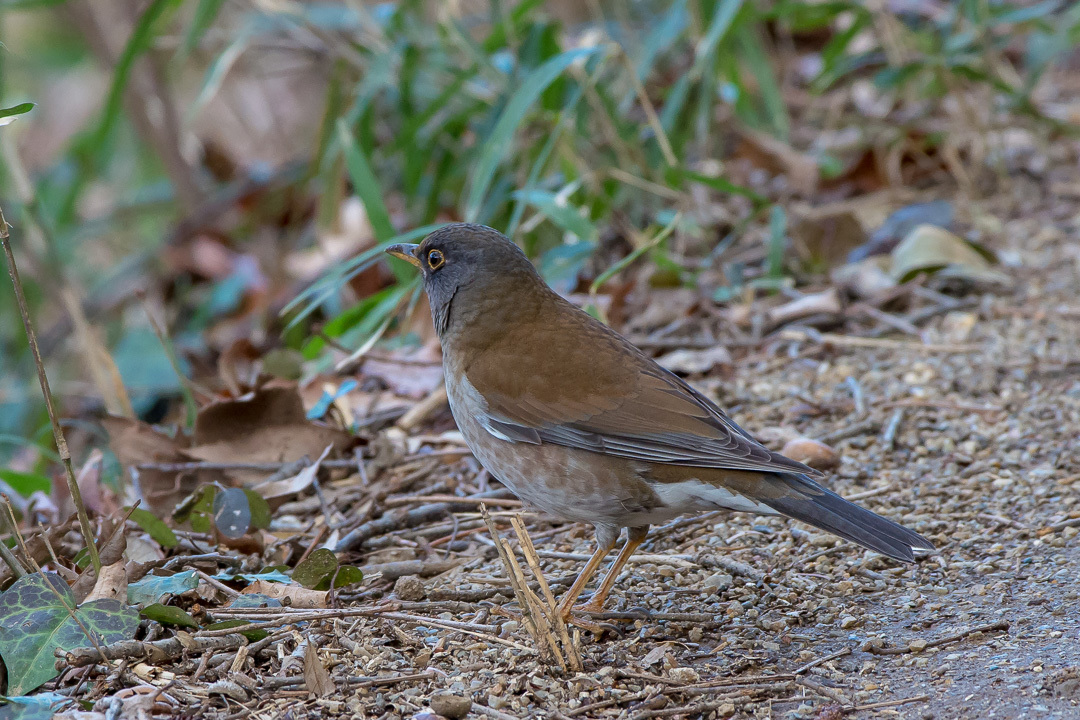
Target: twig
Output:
[(860, 428), (822, 660), (888, 434), (9, 558), (869, 493), (987, 412), (887, 703), (531, 610), (43, 381), (424, 409), (275, 683), (401, 519), (414, 499), (878, 343), (157, 652), (552, 611), (1000, 625), (491, 712)]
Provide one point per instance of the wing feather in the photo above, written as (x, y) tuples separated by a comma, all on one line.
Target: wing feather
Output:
[(611, 399)]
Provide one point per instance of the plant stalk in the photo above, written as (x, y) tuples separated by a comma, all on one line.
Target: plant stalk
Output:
[(43, 380)]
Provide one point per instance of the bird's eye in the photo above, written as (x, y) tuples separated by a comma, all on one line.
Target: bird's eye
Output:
[(435, 259)]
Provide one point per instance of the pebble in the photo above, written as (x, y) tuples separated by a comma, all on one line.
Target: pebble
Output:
[(410, 588), (816, 454)]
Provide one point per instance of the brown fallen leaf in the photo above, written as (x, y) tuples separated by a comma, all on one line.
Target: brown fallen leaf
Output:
[(281, 489), (295, 596), (267, 426), (316, 677), (135, 443), (240, 367)]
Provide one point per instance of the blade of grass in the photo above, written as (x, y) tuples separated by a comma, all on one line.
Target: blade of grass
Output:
[(497, 145), (631, 257), (365, 184)]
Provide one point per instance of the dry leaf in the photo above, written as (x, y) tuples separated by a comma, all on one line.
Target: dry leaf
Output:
[(136, 443), (696, 362), (239, 367), (267, 426), (291, 486), (295, 596), (316, 677)]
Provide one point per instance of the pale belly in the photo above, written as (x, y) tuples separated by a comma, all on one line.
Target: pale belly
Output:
[(582, 486)]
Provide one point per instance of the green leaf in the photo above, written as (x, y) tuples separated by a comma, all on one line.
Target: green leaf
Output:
[(259, 508), (346, 575), (721, 22), (154, 588), (205, 13), (561, 265), (318, 566), (365, 184), (8, 115), (777, 242), (565, 216), (677, 175), (35, 621), (142, 37), (168, 615), (497, 145), (25, 484), (253, 635), (154, 526)]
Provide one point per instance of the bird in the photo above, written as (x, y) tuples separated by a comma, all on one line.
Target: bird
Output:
[(579, 423)]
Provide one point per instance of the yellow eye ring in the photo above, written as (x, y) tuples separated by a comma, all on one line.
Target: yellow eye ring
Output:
[(435, 259)]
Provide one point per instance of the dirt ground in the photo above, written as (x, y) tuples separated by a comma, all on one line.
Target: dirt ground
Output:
[(967, 435), (970, 439)]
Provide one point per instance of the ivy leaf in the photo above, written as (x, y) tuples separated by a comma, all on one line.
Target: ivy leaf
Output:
[(35, 621)]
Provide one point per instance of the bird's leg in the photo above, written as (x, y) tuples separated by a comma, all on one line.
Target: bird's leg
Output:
[(605, 540), (634, 537)]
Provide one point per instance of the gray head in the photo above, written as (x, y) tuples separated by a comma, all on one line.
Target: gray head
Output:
[(470, 269)]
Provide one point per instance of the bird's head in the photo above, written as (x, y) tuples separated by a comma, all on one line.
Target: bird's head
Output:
[(468, 269)]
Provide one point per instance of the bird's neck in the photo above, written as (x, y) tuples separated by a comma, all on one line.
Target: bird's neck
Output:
[(475, 318)]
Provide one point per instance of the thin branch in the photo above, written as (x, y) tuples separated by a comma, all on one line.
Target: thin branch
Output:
[(43, 380)]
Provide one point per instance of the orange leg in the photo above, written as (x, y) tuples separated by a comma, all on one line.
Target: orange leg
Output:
[(634, 538), (567, 604)]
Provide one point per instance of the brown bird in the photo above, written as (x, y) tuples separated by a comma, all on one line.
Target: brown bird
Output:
[(578, 422)]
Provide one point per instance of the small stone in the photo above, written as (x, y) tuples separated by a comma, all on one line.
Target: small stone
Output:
[(816, 454), (684, 675), (410, 588), (917, 645), (696, 634), (452, 706), (719, 581), (735, 609), (725, 710), (848, 621)]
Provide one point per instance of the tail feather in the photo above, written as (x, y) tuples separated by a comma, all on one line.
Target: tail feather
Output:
[(811, 503)]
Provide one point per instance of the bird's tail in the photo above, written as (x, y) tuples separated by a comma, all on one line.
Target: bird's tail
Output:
[(805, 500)]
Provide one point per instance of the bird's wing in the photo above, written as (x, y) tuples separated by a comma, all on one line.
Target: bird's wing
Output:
[(573, 382)]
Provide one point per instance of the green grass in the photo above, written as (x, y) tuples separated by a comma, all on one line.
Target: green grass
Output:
[(544, 131)]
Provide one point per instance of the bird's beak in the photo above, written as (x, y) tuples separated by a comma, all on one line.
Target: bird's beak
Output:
[(406, 252)]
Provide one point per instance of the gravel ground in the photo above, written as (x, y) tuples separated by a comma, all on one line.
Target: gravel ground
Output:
[(972, 443)]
